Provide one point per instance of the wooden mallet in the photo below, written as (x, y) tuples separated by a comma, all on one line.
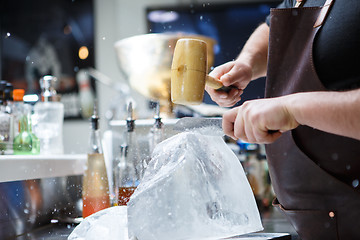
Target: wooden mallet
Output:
[(189, 72)]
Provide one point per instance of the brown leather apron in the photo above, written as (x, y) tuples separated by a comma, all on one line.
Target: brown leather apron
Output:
[(315, 174)]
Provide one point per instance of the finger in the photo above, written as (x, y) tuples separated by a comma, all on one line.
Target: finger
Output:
[(221, 70), (228, 121), (249, 130), (227, 102), (238, 77), (232, 94), (229, 98), (239, 126), (270, 137), (225, 99)]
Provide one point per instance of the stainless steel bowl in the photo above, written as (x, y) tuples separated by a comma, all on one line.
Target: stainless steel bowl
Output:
[(146, 60)]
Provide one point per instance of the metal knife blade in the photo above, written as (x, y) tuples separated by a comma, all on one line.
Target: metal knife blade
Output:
[(206, 126)]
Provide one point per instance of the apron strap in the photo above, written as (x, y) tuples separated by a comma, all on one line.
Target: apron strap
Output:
[(323, 13), (299, 3)]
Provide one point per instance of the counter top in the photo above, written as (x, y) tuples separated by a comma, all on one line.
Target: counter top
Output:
[(62, 231), (275, 227), (24, 167)]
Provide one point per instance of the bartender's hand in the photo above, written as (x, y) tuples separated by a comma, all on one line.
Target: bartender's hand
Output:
[(235, 74), (249, 65), (259, 121)]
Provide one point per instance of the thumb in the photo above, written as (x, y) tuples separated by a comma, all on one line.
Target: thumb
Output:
[(239, 76)]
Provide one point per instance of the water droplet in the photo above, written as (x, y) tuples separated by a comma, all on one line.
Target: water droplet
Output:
[(201, 18), (335, 156), (54, 221), (295, 13), (355, 183), (26, 211), (7, 35)]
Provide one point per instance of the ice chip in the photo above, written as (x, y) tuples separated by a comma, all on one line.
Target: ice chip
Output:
[(107, 224), (193, 188)]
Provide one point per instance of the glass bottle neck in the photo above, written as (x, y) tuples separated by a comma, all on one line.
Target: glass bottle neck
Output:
[(23, 124), (95, 141)]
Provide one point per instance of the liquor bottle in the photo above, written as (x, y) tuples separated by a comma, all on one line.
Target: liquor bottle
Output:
[(156, 134), (95, 192), (48, 118), (17, 108), (124, 177), (6, 120), (6, 131), (129, 168), (86, 96), (8, 98), (131, 141), (26, 142)]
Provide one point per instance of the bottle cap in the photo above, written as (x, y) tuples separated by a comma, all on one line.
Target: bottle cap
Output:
[(8, 92), (48, 92), (2, 85), (158, 123), (130, 122), (18, 94), (2, 89), (95, 118)]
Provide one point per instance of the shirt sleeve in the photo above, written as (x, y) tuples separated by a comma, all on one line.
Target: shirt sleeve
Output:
[(284, 4)]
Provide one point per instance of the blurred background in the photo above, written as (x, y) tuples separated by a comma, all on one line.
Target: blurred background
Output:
[(64, 37)]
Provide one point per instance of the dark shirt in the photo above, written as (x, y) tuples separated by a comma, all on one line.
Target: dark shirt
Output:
[(337, 45)]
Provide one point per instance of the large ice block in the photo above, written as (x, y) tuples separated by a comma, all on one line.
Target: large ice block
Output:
[(107, 224), (193, 188)]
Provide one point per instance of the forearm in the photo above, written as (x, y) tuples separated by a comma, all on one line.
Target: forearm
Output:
[(333, 112), (255, 51)]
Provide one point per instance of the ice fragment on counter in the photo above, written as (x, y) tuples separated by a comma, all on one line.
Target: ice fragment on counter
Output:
[(194, 188), (107, 224)]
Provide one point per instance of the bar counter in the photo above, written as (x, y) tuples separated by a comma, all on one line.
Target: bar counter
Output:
[(275, 227)]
